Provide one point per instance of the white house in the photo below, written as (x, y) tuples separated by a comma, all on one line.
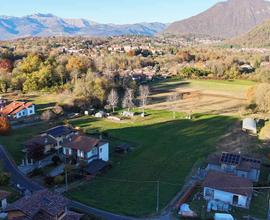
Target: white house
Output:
[(85, 148), (18, 110), (3, 199), (228, 188)]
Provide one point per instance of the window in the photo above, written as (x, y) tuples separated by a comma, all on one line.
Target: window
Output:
[(209, 192), (100, 150), (30, 111)]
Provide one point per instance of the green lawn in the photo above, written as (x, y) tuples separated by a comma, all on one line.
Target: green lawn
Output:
[(164, 149), (226, 86)]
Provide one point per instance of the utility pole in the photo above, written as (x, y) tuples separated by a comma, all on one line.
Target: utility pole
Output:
[(268, 213), (66, 179), (157, 208)]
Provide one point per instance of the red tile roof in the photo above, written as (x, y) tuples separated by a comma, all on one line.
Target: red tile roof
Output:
[(52, 203), (15, 107), (82, 142), (228, 183)]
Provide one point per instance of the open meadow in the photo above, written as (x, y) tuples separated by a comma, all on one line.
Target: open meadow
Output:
[(164, 150), (202, 96)]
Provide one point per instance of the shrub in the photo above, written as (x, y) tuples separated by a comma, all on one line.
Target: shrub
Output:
[(49, 180), (36, 172), (4, 179), (56, 160), (58, 180), (4, 126)]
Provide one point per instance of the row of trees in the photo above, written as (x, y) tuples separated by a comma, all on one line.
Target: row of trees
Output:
[(129, 98)]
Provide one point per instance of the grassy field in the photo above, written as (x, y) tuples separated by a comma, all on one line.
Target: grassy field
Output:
[(206, 96), (165, 150), (14, 141)]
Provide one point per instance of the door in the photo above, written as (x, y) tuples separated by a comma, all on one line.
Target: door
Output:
[(235, 200)]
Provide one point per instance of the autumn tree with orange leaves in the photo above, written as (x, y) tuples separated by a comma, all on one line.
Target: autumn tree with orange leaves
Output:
[(4, 126)]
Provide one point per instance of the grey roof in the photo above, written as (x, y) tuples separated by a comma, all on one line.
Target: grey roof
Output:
[(95, 166), (41, 140), (61, 130)]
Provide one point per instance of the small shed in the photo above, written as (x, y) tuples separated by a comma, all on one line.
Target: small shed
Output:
[(100, 114), (128, 114), (249, 125), (222, 216)]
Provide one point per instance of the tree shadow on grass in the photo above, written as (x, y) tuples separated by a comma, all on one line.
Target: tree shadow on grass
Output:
[(166, 152)]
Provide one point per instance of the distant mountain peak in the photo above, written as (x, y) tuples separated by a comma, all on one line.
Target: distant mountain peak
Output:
[(51, 25), (225, 19)]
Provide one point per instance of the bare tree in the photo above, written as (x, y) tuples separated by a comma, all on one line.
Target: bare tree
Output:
[(173, 98), (144, 94), (113, 99), (128, 99)]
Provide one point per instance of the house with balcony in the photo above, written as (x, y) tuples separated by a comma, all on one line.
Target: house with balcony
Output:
[(84, 148)]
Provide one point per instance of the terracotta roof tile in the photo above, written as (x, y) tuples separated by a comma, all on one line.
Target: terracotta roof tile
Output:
[(228, 183), (15, 107), (82, 142), (43, 200)]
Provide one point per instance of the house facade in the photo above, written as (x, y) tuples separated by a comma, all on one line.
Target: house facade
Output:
[(237, 164), (17, 110), (84, 148), (228, 188)]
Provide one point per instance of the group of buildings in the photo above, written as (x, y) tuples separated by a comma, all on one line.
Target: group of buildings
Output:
[(71, 144), (229, 181)]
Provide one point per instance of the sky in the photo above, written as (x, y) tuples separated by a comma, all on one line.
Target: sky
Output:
[(110, 11)]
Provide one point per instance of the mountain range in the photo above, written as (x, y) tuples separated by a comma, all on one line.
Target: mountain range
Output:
[(50, 25), (228, 19), (224, 20)]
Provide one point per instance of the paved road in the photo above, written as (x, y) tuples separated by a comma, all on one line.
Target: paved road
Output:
[(16, 176), (19, 178)]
